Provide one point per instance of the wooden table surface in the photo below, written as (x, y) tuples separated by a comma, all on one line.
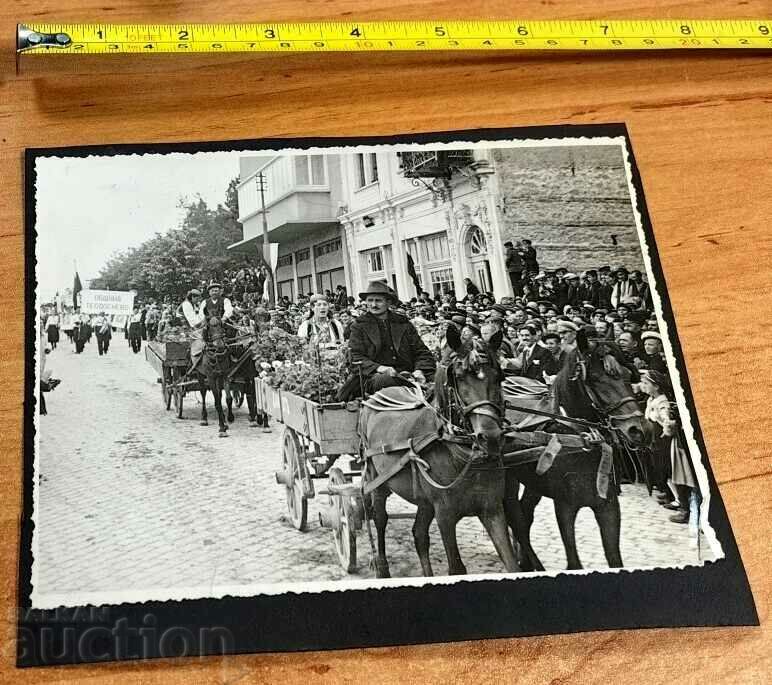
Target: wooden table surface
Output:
[(701, 127)]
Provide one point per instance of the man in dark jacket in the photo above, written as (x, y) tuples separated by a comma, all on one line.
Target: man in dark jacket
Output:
[(532, 359), (530, 258), (385, 345), (590, 289), (515, 266)]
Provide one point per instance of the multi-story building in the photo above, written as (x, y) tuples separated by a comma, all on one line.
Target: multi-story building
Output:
[(444, 226), (302, 195), (429, 219)]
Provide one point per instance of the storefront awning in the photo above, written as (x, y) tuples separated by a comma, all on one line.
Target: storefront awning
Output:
[(287, 232)]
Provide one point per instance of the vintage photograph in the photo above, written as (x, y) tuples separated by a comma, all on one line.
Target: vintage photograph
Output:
[(346, 367)]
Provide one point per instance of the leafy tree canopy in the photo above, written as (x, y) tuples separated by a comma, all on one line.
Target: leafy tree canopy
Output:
[(170, 263)]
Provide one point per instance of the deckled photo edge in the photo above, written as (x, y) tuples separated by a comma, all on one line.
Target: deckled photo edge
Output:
[(50, 601)]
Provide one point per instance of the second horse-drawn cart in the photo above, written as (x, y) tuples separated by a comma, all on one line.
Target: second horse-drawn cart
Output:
[(171, 360)]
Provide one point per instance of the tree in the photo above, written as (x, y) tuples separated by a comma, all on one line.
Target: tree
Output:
[(170, 263)]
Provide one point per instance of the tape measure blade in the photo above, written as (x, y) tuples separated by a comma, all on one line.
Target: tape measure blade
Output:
[(510, 34)]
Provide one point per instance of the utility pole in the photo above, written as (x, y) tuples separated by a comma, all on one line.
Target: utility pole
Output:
[(266, 245)]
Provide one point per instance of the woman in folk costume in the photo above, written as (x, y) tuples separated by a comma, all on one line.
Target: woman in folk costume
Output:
[(52, 329), (320, 328), (671, 461)]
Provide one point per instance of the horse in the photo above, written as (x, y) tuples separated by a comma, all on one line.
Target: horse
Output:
[(242, 373), (444, 479), (594, 387), (213, 370)]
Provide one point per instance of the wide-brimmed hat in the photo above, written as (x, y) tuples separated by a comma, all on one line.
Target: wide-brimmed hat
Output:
[(651, 335), (379, 288), (194, 291), (213, 284)]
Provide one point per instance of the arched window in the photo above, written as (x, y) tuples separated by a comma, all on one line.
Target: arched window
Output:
[(476, 242)]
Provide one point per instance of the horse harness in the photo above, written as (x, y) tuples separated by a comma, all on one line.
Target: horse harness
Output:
[(463, 447)]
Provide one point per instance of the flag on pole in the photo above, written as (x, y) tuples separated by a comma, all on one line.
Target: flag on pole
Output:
[(412, 273), (76, 288)]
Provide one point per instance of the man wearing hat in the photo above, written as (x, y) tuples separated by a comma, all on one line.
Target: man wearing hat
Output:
[(623, 289), (567, 330), (152, 319), (506, 348), (574, 295), (515, 265), (385, 345), (216, 305), (651, 357), (103, 332), (589, 290)]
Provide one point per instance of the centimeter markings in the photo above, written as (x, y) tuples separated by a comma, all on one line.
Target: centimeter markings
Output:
[(403, 35)]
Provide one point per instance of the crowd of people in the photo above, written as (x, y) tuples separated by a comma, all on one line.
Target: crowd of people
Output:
[(542, 317)]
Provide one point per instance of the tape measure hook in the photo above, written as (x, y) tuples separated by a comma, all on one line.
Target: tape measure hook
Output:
[(27, 39)]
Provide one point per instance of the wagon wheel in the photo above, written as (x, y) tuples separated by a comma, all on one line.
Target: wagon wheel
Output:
[(344, 534), (297, 504), (178, 391)]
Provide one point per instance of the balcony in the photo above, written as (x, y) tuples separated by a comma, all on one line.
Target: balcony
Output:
[(297, 196), (434, 163)]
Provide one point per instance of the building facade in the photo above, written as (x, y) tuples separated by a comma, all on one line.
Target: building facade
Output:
[(354, 218), (441, 232), (302, 196)]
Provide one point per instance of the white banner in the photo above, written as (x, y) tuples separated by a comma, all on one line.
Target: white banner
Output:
[(107, 301)]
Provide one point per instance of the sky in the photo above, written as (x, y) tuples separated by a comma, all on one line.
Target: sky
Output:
[(90, 207)]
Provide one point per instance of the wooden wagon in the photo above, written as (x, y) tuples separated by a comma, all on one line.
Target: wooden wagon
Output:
[(171, 360), (314, 436)]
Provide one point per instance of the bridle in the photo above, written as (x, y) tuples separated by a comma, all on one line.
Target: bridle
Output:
[(486, 407), (215, 346), (610, 421)]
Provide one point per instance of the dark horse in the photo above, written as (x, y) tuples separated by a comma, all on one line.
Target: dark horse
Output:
[(594, 386), (213, 369), (439, 474), (241, 377)]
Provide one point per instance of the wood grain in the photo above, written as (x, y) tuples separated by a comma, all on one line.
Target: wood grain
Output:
[(701, 126)]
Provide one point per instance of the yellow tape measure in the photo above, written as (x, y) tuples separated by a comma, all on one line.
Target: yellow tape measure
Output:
[(640, 34)]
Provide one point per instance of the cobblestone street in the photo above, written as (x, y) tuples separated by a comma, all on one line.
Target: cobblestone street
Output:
[(133, 499)]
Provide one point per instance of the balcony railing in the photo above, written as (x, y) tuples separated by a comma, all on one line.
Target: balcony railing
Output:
[(433, 164)]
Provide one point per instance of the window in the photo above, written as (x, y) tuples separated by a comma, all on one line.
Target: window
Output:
[(366, 169), (329, 280), (442, 281), (325, 248), (317, 170), (304, 285), (309, 170), (374, 261), (286, 260), (477, 244), (435, 247), (285, 288), (302, 255)]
